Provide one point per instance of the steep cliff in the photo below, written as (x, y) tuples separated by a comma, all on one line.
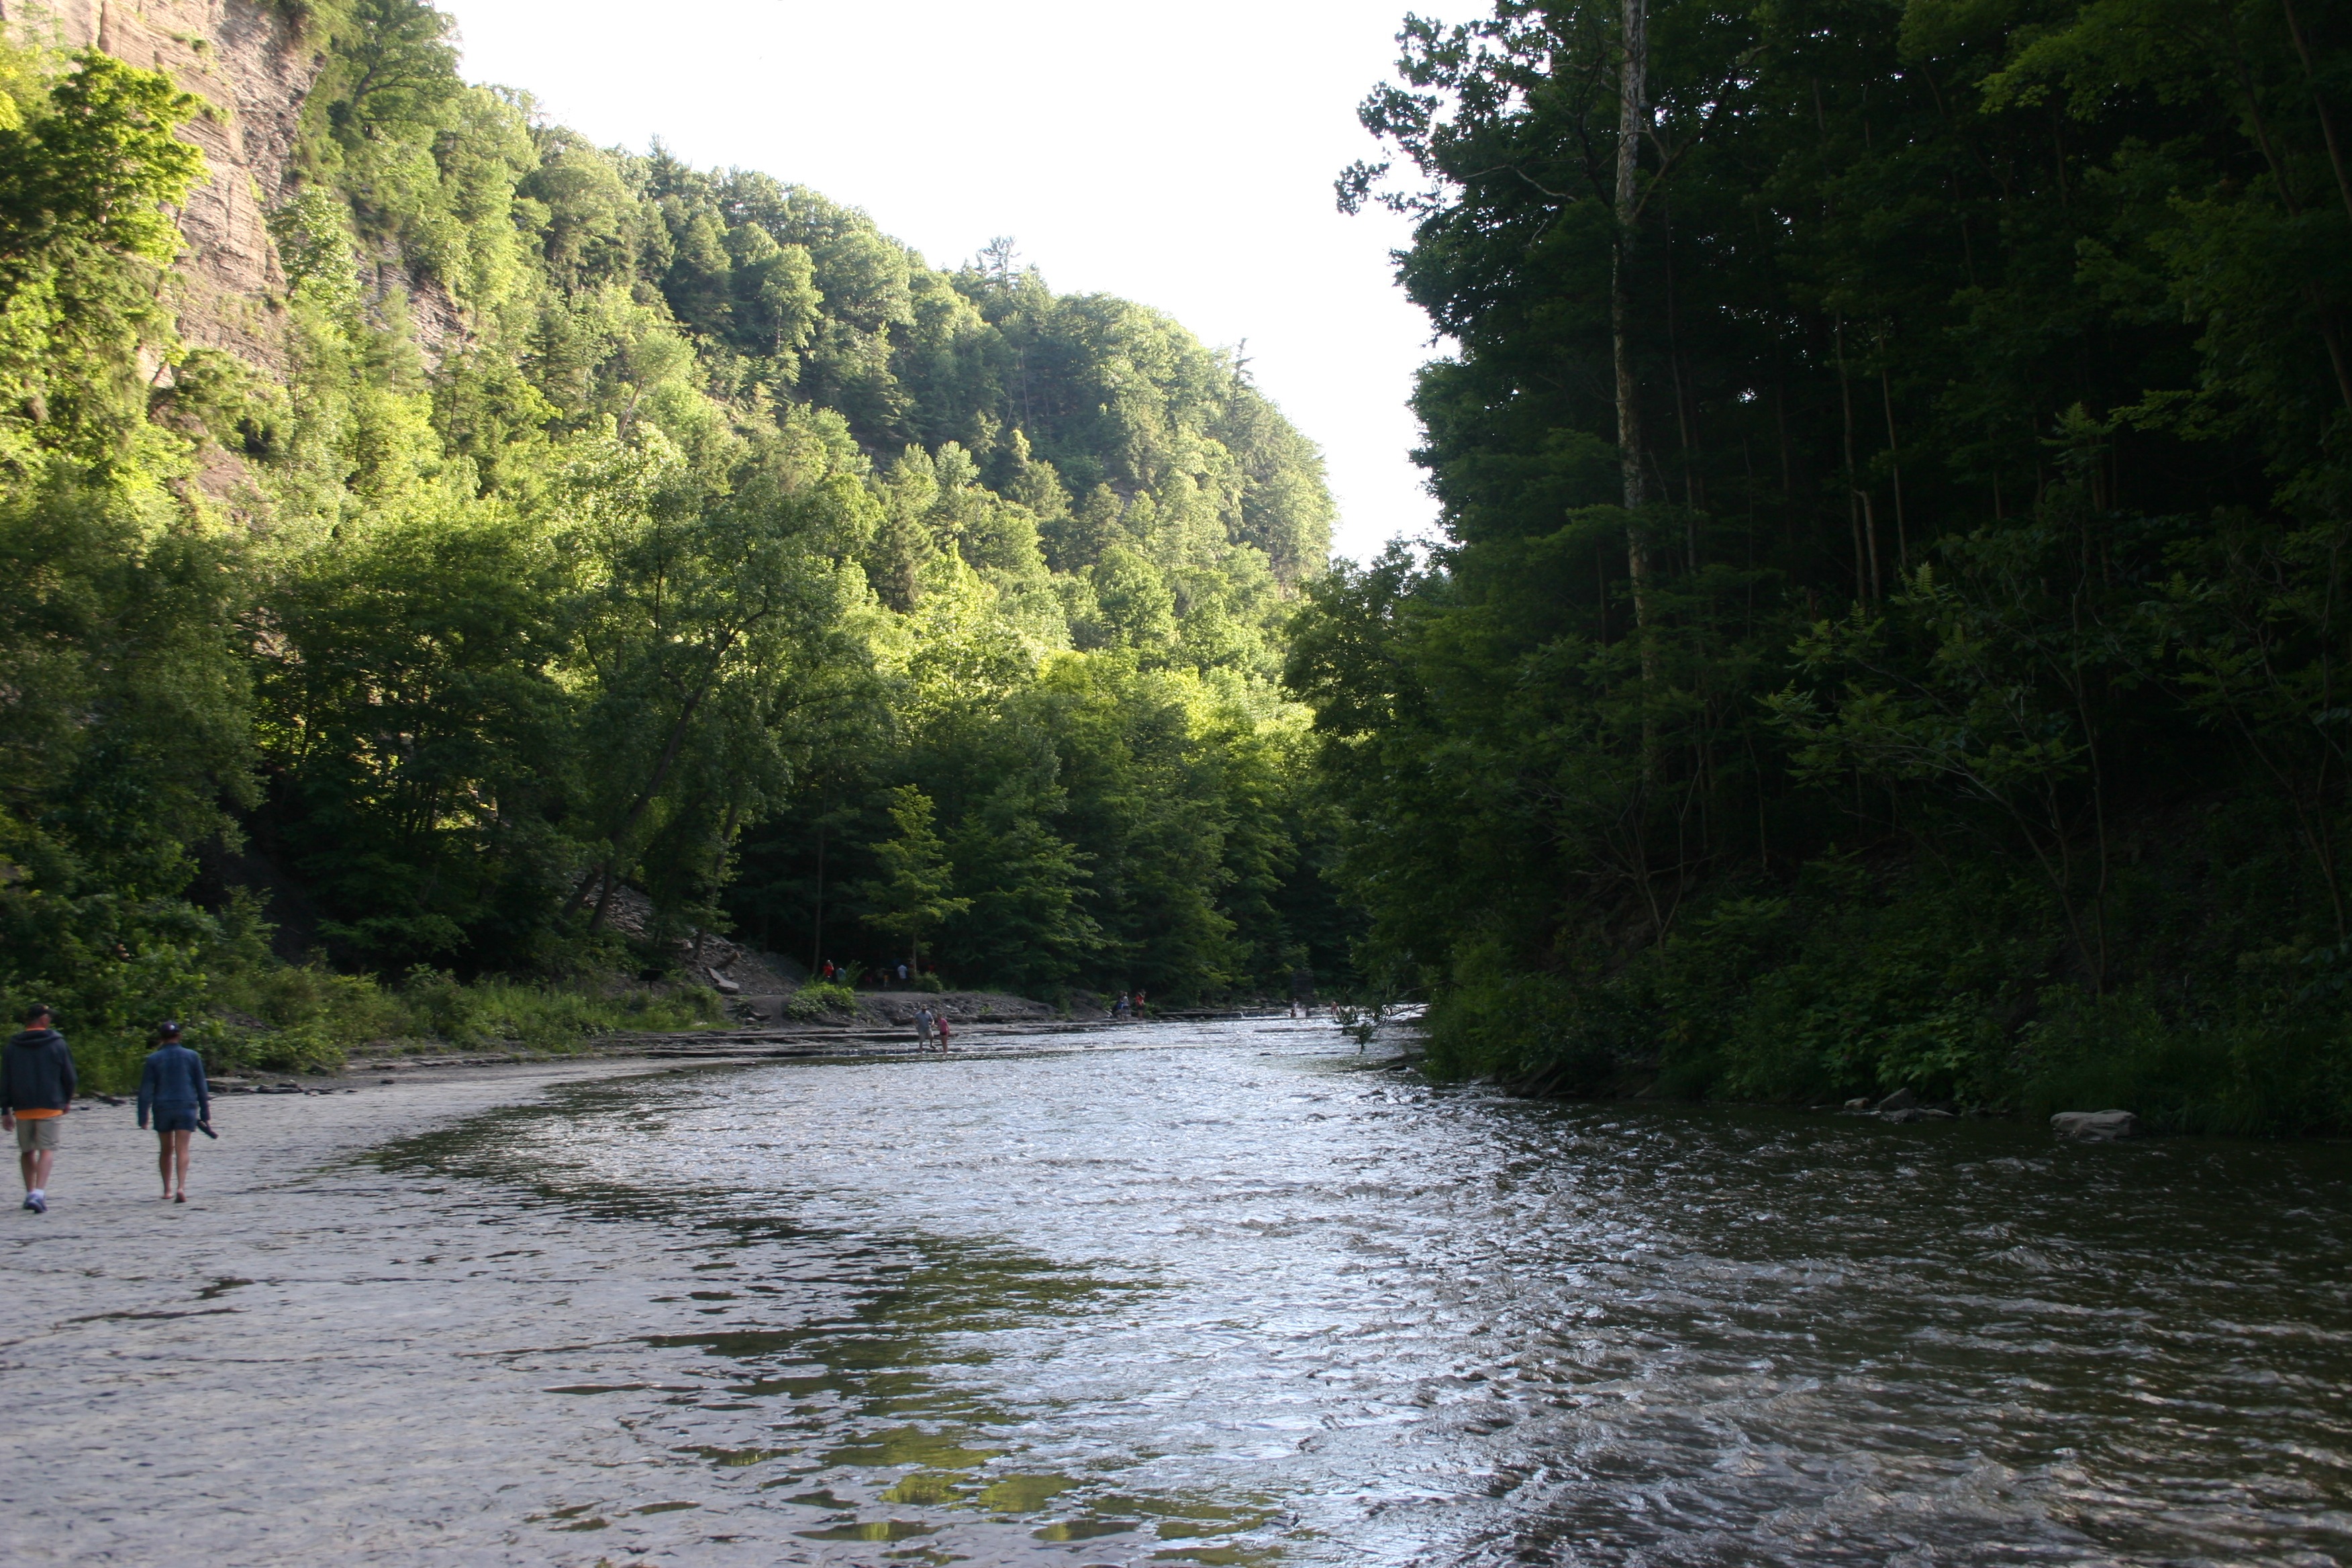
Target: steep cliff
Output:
[(250, 64)]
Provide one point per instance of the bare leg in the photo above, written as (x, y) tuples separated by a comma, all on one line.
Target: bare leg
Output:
[(163, 1159), (182, 1146), (25, 1167), (36, 1169)]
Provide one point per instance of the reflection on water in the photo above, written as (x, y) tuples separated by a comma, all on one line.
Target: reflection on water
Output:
[(1246, 1298)]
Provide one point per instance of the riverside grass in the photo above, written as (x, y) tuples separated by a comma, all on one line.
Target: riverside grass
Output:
[(301, 1019)]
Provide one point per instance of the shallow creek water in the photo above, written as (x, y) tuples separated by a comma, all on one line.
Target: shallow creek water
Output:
[(1232, 1293)]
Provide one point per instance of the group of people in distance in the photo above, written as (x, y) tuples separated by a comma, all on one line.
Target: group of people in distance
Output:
[(37, 1093), (931, 1030), (1130, 1005), (834, 974)]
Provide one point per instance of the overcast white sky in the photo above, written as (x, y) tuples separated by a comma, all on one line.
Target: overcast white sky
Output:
[(1179, 156)]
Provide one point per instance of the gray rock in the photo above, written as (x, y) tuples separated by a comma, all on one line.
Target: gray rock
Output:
[(1901, 1099), (1859, 1102), (1903, 1113), (1930, 1113), (2094, 1126)]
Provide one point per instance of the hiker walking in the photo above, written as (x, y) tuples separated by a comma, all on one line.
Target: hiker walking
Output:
[(172, 1087), (37, 1089)]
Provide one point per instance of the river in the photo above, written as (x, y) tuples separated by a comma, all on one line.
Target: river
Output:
[(1233, 1293)]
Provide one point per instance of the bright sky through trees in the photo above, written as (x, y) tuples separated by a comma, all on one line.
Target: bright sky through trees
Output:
[(1182, 156)]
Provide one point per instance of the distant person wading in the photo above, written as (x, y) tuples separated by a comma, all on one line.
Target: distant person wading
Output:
[(36, 1090)]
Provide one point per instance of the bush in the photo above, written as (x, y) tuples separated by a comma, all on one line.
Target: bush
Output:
[(543, 1017), (2280, 1070), (819, 1001)]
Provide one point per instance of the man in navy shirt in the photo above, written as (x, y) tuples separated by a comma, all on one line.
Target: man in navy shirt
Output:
[(172, 1087), (37, 1089)]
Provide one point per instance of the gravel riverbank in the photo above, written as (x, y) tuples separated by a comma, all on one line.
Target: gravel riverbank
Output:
[(324, 1357), (315, 1359), (265, 1373)]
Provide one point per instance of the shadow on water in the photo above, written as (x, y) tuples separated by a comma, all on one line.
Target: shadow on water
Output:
[(837, 1336)]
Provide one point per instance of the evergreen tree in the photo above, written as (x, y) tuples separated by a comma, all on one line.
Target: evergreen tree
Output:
[(912, 897)]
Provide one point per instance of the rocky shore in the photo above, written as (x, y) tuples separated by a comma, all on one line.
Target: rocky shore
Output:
[(883, 1025)]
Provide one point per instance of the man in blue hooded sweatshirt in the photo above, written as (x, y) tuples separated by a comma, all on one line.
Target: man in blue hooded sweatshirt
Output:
[(37, 1089), (172, 1087)]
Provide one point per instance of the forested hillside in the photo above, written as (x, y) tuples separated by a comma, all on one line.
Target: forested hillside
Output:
[(575, 520), (1895, 502)]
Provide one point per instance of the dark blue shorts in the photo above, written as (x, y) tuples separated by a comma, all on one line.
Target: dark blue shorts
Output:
[(176, 1121)]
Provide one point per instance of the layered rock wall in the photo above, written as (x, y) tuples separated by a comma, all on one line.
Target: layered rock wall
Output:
[(246, 60)]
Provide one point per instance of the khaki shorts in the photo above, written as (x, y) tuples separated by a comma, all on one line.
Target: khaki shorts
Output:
[(40, 1132)]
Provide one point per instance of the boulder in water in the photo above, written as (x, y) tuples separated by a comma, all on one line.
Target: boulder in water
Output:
[(2094, 1126), (1901, 1099)]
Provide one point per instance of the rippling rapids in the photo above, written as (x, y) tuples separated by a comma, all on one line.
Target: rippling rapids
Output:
[(1232, 1293)]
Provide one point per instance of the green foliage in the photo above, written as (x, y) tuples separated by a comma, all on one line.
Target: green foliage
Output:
[(465, 642), (819, 1002), (544, 1017), (911, 898), (1899, 681), (92, 167), (88, 160)]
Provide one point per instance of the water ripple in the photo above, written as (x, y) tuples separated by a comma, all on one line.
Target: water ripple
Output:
[(1247, 1299)]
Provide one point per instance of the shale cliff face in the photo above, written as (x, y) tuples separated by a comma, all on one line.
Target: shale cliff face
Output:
[(245, 60)]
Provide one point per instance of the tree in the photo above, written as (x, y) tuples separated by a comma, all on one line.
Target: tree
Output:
[(911, 898), (1024, 927), (95, 165), (702, 617), (2059, 297)]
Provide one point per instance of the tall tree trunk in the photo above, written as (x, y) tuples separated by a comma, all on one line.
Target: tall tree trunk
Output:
[(1857, 502), (2319, 102), (2328, 332), (1632, 120), (1895, 458), (1632, 125), (816, 948)]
